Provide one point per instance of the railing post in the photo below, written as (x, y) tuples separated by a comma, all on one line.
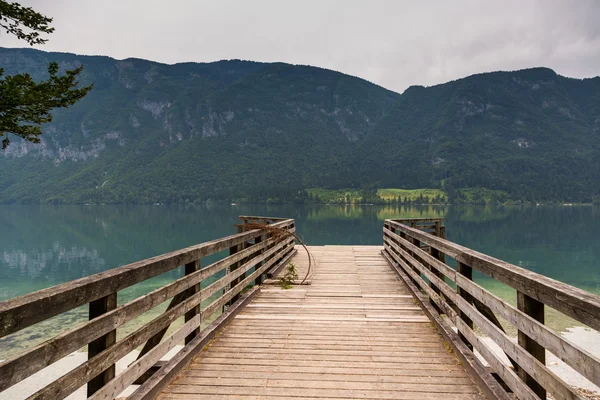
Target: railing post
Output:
[(189, 269), (416, 243), (440, 256), (258, 279), (467, 272), (234, 266), (97, 308), (403, 236), (535, 309)]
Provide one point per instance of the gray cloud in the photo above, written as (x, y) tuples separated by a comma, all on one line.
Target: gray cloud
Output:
[(392, 43)]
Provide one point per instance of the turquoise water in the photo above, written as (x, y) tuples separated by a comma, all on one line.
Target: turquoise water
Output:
[(41, 246)]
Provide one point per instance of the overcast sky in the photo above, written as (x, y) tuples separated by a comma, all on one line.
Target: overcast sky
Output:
[(392, 43)]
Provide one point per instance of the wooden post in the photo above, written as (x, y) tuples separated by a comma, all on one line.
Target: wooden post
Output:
[(467, 272), (97, 308), (233, 267), (418, 244), (258, 279), (403, 236), (189, 269), (440, 256), (535, 309)]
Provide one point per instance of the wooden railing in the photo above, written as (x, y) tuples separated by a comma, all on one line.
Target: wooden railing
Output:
[(252, 254), (419, 258)]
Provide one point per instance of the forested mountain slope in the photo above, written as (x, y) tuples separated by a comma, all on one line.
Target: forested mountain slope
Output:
[(227, 130)]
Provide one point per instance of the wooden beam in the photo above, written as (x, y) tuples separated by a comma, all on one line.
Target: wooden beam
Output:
[(535, 310), (233, 267), (95, 347), (189, 269), (467, 272), (418, 266), (258, 280)]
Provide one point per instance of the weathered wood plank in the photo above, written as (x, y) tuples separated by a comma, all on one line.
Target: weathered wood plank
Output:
[(368, 376), (382, 366), (251, 218), (448, 371), (188, 392), (325, 384)]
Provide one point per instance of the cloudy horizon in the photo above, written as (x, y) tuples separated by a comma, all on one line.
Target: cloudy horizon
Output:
[(393, 44)]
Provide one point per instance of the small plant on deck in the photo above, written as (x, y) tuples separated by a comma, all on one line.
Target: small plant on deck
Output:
[(288, 278)]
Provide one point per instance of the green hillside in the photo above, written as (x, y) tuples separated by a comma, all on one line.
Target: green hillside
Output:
[(246, 131)]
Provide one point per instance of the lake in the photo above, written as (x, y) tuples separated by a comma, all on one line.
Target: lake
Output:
[(41, 246)]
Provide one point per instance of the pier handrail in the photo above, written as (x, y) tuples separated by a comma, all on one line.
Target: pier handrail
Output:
[(420, 259), (252, 254)]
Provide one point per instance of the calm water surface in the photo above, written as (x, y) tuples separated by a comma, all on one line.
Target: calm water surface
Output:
[(41, 246)]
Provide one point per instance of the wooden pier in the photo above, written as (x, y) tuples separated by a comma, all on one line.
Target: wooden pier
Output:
[(397, 321)]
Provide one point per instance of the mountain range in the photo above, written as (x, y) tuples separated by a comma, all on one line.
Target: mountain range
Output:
[(241, 130)]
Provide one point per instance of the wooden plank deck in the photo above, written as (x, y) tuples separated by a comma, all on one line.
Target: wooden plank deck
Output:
[(354, 333)]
